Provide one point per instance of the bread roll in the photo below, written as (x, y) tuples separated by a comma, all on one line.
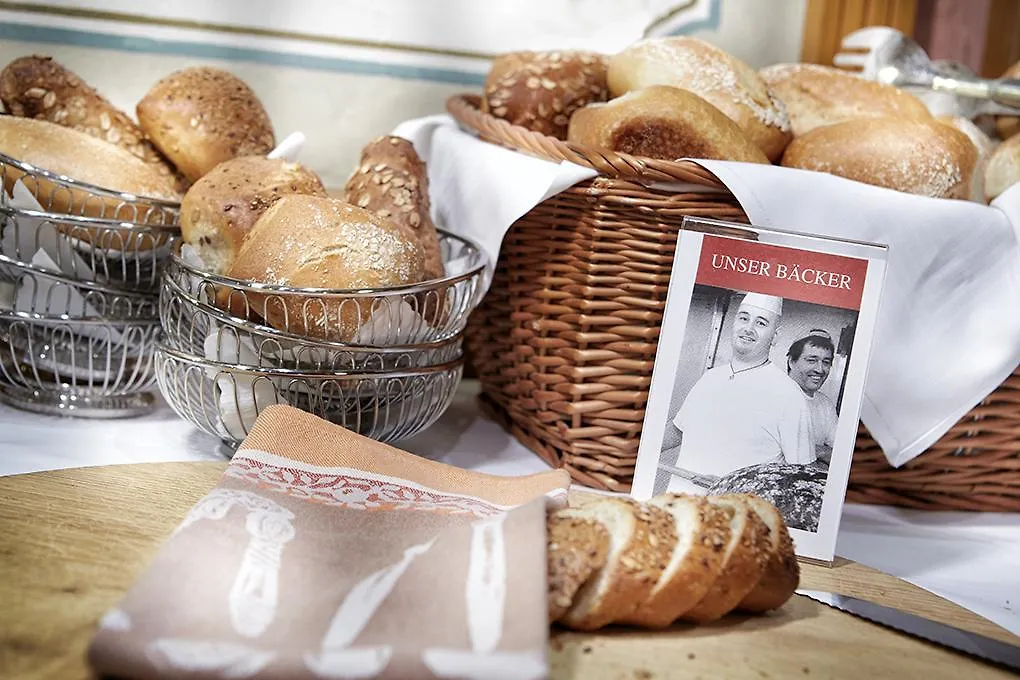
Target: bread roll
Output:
[(392, 182), (703, 533), (662, 122), (984, 146), (84, 158), (815, 96), (39, 87), (221, 208), (201, 116), (1003, 170), (927, 158), (641, 541), (1008, 126), (575, 549), (781, 577), (317, 242), (540, 90), (744, 560), (720, 78)]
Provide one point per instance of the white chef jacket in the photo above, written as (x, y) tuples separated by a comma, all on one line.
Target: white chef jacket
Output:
[(731, 420), (823, 420)]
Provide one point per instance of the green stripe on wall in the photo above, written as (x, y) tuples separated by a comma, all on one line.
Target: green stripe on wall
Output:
[(77, 38)]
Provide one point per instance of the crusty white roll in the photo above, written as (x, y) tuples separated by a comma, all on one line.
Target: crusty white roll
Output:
[(540, 90), (923, 157), (81, 157), (1003, 169), (220, 209), (817, 95), (39, 87), (201, 116), (662, 122), (1009, 126), (724, 81), (319, 242), (984, 145), (392, 181)]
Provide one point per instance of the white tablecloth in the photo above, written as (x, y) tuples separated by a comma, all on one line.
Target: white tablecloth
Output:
[(972, 559)]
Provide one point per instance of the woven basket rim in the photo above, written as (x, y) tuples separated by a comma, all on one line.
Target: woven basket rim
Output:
[(466, 110)]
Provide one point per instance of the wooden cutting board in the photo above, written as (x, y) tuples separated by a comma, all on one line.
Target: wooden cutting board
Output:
[(73, 541)]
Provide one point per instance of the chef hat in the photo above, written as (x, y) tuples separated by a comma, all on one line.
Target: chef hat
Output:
[(770, 303)]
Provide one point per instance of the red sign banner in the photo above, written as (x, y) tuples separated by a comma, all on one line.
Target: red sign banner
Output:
[(805, 275)]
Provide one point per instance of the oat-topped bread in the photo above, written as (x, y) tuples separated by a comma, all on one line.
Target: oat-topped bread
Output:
[(641, 541), (391, 180), (782, 571), (201, 116), (81, 157), (221, 208), (703, 534), (743, 563), (924, 157), (662, 122), (816, 95), (541, 90), (575, 549), (724, 81), (41, 88), (317, 242)]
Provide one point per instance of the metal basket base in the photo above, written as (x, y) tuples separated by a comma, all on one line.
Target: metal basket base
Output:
[(77, 403)]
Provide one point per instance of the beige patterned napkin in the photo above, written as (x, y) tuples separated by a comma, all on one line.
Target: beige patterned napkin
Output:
[(323, 554)]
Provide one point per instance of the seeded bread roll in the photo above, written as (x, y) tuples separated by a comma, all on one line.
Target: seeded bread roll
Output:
[(575, 549), (662, 122), (1008, 126), (221, 208), (815, 96), (782, 571), (744, 560), (703, 531), (720, 78), (200, 117), (318, 242), (927, 158), (540, 90), (39, 87), (392, 182), (1003, 169)]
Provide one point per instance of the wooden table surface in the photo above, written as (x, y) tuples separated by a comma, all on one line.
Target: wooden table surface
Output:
[(73, 541)]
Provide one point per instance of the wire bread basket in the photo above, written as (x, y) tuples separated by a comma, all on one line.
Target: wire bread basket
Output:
[(383, 362), (426, 312), (79, 274), (224, 399)]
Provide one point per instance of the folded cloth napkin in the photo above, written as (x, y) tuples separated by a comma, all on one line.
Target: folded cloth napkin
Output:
[(324, 554), (948, 332)]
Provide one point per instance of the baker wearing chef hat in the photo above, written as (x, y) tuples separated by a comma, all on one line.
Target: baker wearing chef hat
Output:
[(744, 412)]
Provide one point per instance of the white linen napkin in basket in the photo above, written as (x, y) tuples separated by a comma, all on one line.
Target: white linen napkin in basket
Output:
[(949, 329)]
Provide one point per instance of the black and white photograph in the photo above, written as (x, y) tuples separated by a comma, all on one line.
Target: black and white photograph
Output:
[(759, 375)]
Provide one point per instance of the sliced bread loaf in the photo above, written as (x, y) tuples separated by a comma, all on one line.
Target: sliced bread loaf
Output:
[(576, 548), (744, 560), (703, 534), (782, 572), (641, 542)]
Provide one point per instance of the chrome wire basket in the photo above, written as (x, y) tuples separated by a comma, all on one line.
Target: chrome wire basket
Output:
[(75, 348), (57, 194), (224, 400), (79, 313), (196, 328), (427, 312)]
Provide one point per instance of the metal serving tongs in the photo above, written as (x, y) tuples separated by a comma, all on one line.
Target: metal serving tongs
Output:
[(888, 56)]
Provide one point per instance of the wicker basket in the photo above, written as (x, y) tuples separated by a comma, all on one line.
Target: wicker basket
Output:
[(565, 340)]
